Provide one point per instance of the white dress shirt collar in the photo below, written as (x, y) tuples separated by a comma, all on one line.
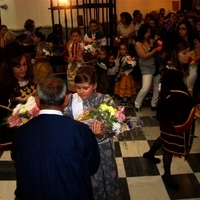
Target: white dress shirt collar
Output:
[(50, 111)]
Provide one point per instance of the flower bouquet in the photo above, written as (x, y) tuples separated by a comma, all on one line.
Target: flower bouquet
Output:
[(92, 48), (117, 40), (46, 51), (91, 51), (113, 120), (22, 113), (127, 64)]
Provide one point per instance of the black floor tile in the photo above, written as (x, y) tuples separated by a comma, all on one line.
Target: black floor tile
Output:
[(123, 186), (117, 150), (7, 170), (135, 134), (159, 151), (147, 101), (129, 111), (139, 166), (189, 187), (149, 121), (194, 162)]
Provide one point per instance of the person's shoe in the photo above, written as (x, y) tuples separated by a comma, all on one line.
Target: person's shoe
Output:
[(136, 109), (170, 182), (153, 108), (150, 157)]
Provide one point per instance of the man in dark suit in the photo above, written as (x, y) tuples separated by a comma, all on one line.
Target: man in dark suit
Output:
[(54, 154)]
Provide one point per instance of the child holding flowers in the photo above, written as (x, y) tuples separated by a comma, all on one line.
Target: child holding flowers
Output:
[(105, 181), (73, 53), (101, 71), (94, 35), (112, 72), (125, 86)]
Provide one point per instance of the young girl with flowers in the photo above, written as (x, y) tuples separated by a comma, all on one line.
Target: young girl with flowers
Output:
[(125, 86), (73, 53), (105, 181)]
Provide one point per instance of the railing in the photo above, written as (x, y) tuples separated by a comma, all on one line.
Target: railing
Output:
[(78, 13)]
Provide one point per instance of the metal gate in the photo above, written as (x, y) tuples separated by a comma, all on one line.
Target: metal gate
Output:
[(78, 13)]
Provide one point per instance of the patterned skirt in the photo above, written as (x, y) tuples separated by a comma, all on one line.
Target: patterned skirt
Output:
[(105, 181)]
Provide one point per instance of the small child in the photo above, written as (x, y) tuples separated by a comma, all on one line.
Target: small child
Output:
[(101, 70), (112, 73), (73, 53), (125, 86), (94, 34)]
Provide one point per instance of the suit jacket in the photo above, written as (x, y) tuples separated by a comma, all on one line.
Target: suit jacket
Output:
[(54, 157)]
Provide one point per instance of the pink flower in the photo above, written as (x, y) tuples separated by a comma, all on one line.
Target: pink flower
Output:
[(120, 115), (159, 43), (14, 120), (34, 112), (24, 112), (129, 59)]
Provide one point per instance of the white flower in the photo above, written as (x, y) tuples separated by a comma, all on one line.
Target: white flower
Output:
[(46, 53), (131, 61), (17, 108), (30, 104), (116, 128)]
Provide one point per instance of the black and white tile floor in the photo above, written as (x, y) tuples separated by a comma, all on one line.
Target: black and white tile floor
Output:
[(139, 179)]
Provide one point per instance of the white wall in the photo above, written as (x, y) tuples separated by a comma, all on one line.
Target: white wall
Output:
[(20, 10), (145, 6)]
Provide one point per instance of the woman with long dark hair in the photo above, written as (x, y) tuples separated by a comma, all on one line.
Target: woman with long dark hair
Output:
[(176, 112), (147, 67), (185, 31), (16, 85)]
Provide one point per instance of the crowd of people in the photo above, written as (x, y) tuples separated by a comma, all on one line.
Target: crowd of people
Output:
[(71, 160)]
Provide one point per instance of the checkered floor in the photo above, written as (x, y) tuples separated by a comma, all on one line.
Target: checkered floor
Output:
[(138, 178)]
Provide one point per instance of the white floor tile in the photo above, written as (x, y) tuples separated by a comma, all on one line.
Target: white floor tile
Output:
[(178, 166), (120, 167), (147, 188), (5, 156), (134, 148), (152, 133), (7, 189)]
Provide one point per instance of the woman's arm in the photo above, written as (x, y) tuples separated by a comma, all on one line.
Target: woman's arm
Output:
[(141, 53)]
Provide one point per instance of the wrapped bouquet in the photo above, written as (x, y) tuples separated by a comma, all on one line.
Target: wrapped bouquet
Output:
[(22, 113), (113, 120), (91, 49), (127, 64), (117, 40)]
